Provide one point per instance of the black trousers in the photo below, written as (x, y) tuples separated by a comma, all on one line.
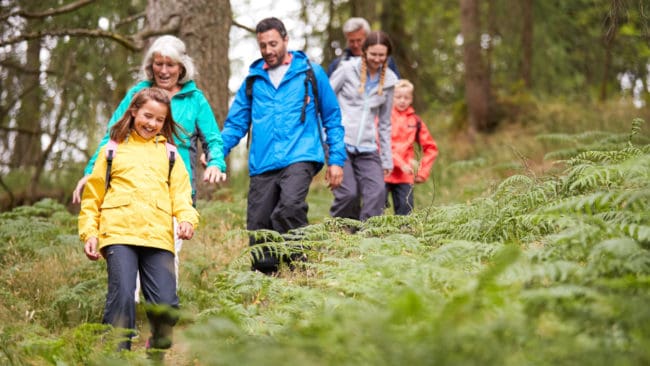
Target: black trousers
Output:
[(277, 200), (402, 197)]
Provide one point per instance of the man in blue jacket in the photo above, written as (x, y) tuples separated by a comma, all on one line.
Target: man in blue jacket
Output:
[(281, 105)]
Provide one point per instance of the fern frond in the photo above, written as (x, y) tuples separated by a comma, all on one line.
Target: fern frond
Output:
[(640, 233), (618, 257)]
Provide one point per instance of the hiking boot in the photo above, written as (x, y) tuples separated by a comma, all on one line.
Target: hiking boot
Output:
[(154, 354)]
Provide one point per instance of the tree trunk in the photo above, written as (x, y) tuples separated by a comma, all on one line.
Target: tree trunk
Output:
[(27, 145), (527, 43), (476, 88), (609, 38), (392, 22), (365, 9)]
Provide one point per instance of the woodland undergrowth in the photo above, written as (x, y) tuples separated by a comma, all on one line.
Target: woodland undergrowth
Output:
[(542, 269)]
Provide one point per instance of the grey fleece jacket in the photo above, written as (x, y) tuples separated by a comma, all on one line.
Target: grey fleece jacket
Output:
[(360, 110)]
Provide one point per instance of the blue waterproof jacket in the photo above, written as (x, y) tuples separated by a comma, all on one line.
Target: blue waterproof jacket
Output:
[(191, 110), (279, 137)]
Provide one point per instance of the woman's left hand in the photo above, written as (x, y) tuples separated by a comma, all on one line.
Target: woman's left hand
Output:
[(213, 174), (387, 172), (185, 230)]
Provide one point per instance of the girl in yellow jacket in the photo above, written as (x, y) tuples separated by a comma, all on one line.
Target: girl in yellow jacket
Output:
[(129, 219)]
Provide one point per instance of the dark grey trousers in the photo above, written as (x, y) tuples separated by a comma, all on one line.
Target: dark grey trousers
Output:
[(158, 279), (362, 193), (402, 197), (277, 200)]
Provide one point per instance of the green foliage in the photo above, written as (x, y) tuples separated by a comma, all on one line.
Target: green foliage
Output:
[(539, 269)]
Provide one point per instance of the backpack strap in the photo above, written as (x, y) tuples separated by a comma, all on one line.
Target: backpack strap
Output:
[(171, 155), (250, 80), (310, 78), (111, 149), (418, 127)]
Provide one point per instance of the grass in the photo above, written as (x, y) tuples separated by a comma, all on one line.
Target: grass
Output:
[(500, 264)]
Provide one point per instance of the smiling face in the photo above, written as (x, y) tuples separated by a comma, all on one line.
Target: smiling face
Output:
[(376, 56), (166, 73), (272, 47), (149, 119)]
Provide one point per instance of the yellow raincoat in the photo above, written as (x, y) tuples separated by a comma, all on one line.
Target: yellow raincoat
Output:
[(138, 207)]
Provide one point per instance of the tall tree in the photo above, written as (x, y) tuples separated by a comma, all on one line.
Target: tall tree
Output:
[(527, 20), (393, 22), (476, 85), (27, 142)]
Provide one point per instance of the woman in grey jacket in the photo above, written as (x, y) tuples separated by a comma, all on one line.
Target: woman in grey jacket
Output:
[(364, 89)]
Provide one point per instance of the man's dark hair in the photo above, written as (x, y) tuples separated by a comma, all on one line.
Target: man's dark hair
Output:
[(267, 24)]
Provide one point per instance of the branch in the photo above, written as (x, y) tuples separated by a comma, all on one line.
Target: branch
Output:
[(96, 33), (22, 130), (50, 12), (237, 24), (23, 69), (172, 27), (130, 19), (75, 145)]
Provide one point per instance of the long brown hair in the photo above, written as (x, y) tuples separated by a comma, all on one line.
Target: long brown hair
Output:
[(374, 38), (122, 128)]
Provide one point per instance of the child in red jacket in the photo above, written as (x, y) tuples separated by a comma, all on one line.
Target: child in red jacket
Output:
[(407, 129)]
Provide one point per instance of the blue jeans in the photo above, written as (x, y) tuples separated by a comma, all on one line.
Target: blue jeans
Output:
[(158, 279)]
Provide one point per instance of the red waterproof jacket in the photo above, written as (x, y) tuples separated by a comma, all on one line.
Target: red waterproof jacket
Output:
[(405, 133)]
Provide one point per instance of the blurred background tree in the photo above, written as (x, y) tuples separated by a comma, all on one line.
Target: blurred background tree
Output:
[(65, 64)]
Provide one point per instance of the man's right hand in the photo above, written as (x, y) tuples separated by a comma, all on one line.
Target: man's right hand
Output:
[(76, 194)]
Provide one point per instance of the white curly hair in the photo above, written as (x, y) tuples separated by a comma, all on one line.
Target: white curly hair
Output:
[(174, 48)]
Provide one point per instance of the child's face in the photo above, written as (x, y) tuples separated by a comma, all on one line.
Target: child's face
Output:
[(150, 118), (402, 99)]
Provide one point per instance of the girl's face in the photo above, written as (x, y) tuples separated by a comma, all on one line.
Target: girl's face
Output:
[(402, 99), (166, 73), (376, 56), (150, 119)]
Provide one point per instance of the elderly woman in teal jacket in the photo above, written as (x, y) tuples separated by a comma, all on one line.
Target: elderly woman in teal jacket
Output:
[(166, 65)]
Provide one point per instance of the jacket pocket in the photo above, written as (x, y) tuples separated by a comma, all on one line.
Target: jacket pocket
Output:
[(165, 206), (116, 215), (113, 201)]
